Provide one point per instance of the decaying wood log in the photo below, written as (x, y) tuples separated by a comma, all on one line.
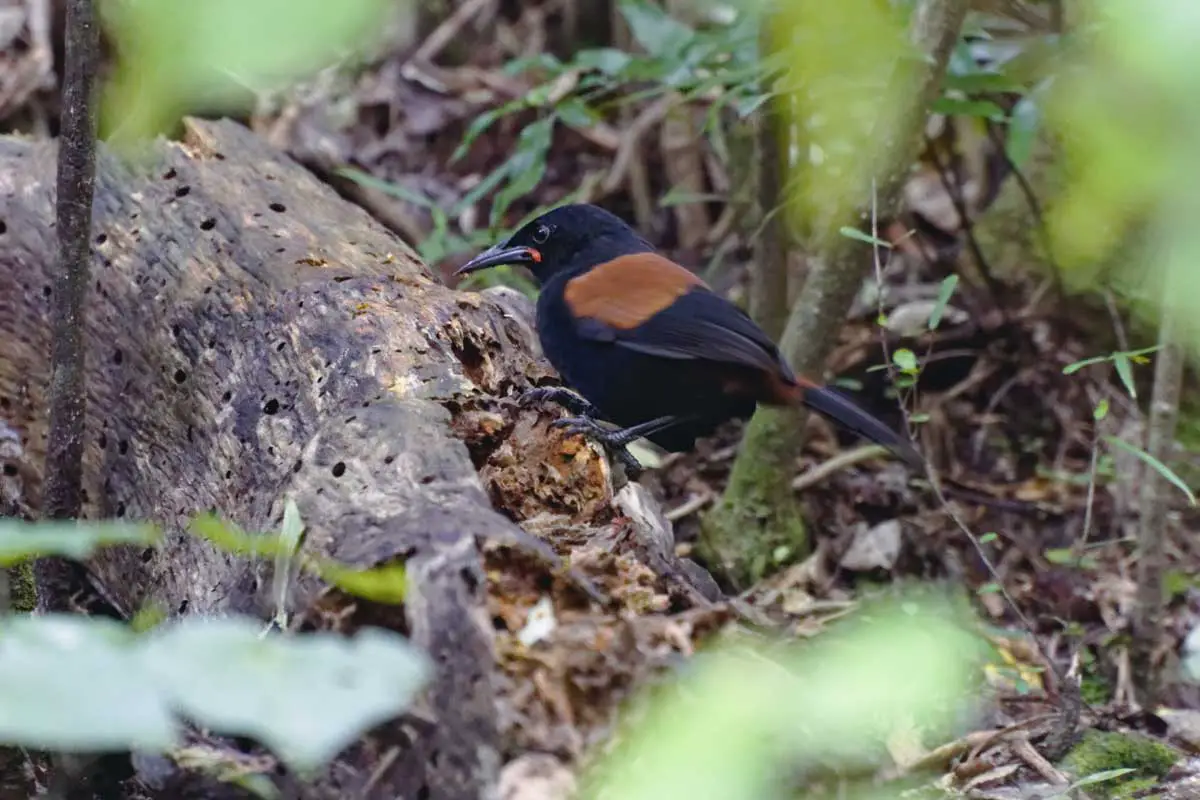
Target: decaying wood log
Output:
[(252, 337)]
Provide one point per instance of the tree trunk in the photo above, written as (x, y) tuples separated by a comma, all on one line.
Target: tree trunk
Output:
[(252, 336), (758, 516)]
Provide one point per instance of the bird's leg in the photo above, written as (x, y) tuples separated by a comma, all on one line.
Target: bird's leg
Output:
[(581, 408), (586, 426), (562, 396)]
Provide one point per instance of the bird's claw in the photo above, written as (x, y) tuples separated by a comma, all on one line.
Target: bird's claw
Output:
[(561, 396)]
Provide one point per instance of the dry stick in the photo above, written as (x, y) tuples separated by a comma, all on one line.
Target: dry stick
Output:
[(76, 179), (444, 34), (1164, 414), (73, 210)]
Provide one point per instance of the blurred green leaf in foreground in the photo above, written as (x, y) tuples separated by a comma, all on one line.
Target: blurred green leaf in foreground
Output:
[(174, 56), (1127, 112), (742, 721), (71, 683), (23, 541)]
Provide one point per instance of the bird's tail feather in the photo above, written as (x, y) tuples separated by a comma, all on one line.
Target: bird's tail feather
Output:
[(842, 410)]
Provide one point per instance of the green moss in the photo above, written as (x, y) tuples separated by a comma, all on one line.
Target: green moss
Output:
[(757, 527), (1100, 752), (22, 587), (1132, 787)]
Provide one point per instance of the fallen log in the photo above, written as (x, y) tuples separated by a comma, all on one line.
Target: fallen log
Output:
[(253, 337)]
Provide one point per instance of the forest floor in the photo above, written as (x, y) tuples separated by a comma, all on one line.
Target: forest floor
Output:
[(1014, 438)]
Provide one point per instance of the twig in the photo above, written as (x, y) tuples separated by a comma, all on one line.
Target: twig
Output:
[(973, 742), (1025, 750), (76, 181), (444, 33), (1147, 622), (1115, 315), (954, 190), (689, 506), (844, 459), (650, 116)]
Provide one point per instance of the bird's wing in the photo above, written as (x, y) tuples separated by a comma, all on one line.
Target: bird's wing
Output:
[(648, 303)]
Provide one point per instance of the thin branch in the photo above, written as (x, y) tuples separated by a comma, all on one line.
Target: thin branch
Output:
[(769, 276), (76, 180), (953, 186), (1147, 623)]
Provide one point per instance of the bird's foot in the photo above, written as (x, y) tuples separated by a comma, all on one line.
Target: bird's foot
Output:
[(613, 441), (561, 396)]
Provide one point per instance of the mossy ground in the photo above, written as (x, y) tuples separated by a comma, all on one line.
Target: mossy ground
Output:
[(1100, 751)]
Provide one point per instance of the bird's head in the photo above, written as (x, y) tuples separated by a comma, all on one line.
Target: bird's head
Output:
[(570, 238)]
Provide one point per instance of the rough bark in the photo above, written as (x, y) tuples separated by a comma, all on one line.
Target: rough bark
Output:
[(252, 336), (758, 515)]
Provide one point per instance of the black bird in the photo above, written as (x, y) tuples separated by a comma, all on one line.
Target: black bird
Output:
[(647, 345)]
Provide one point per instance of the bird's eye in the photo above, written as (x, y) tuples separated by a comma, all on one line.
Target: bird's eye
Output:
[(541, 234)]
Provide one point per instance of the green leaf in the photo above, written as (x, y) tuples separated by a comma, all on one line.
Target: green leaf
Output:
[(22, 541), (988, 588), (953, 106), (385, 584), (905, 360), (306, 697), (823, 700), (75, 683), (854, 233), (1125, 373), (608, 60), (232, 539), (1159, 467), (547, 62), (285, 559), (1071, 369), (576, 113), (480, 124), (654, 29), (1062, 556), (490, 181), (943, 298), (982, 82), (991, 536), (149, 616), (1101, 410), (746, 105), (173, 58), (393, 189), (1022, 130), (526, 166), (1101, 777)]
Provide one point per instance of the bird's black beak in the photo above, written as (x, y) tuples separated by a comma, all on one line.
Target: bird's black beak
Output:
[(498, 255)]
